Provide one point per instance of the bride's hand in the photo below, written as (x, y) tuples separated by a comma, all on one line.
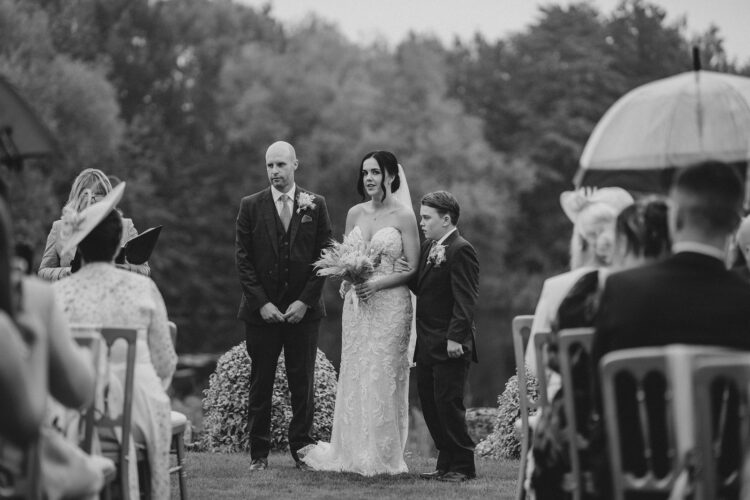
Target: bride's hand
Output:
[(345, 287), (366, 290)]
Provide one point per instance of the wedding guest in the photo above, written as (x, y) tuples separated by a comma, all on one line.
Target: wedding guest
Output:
[(689, 298), (101, 294), (641, 237), (593, 214), (90, 186), (23, 355)]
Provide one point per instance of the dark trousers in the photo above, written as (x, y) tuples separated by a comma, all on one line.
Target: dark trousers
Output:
[(441, 392), (264, 344)]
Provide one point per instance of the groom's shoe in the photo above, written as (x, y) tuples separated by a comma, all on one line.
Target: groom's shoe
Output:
[(436, 474), (303, 466), (455, 477), (259, 464)]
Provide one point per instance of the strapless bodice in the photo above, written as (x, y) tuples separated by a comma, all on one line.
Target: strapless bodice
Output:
[(386, 242)]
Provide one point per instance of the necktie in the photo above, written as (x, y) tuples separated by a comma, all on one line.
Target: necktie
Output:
[(286, 211)]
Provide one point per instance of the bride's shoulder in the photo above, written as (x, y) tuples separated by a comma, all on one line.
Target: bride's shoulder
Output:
[(357, 209)]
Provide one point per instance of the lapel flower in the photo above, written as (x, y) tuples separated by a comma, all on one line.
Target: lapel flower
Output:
[(436, 255), (305, 201)]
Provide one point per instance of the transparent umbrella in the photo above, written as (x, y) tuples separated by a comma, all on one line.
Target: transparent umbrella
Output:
[(22, 133), (667, 124)]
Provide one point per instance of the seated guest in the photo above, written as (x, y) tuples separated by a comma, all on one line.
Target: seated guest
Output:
[(101, 294), (90, 186), (23, 355), (688, 298), (593, 214), (641, 237)]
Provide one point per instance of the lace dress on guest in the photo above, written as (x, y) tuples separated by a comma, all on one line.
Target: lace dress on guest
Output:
[(371, 418), (101, 294)]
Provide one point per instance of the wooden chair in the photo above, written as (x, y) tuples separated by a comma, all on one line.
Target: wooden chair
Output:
[(571, 342), (637, 390), (722, 410), (114, 449), (541, 341), (179, 423), (93, 344), (521, 335)]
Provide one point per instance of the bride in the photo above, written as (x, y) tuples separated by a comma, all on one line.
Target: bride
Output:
[(371, 418)]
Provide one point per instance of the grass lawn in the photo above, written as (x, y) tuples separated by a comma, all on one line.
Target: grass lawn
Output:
[(223, 476)]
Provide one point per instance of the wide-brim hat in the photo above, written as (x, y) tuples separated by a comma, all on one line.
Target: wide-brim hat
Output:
[(78, 225), (573, 202)]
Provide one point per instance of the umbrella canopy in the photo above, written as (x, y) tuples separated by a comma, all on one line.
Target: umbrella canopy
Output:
[(22, 133), (668, 124)]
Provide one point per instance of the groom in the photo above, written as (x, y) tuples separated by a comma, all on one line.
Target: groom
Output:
[(447, 287), (280, 233)]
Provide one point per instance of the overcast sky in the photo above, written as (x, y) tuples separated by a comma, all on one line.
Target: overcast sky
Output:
[(365, 20)]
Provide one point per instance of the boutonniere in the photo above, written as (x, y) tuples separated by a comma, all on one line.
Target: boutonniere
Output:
[(436, 255), (305, 201)]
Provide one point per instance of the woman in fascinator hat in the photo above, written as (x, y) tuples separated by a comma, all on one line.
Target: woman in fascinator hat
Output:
[(102, 294)]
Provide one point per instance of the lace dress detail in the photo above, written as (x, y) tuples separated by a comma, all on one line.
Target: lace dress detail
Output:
[(101, 294), (371, 418)]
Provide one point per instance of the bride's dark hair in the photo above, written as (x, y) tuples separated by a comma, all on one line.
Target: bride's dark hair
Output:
[(388, 163)]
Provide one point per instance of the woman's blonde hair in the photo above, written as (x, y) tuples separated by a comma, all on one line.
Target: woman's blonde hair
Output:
[(593, 236), (89, 182)]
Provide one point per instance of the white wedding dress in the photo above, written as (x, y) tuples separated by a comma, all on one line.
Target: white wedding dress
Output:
[(371, 418)]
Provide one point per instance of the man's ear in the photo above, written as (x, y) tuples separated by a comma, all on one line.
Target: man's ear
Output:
[(446, 220)]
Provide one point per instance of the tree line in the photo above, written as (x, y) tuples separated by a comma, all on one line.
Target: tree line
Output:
[(181, 98)]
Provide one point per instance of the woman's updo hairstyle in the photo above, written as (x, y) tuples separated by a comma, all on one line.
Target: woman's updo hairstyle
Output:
[(388, 164), (643, 228)]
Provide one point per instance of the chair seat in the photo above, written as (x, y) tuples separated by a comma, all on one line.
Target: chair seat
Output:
[(179, 422)]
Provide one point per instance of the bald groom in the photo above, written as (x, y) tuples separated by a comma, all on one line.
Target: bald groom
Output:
[(280, 233)]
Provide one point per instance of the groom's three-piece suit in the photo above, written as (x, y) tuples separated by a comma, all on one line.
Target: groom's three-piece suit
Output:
[(446, 292), (275, 265)]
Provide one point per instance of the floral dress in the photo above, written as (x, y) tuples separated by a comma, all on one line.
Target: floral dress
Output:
[(101, 294)]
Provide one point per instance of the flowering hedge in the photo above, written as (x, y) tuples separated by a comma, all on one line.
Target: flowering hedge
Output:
[(225, 404), (504, 442)]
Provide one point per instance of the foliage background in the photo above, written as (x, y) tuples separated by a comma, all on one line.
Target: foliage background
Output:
[(181, 98)]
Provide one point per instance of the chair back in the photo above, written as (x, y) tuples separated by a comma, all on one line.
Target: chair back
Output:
[(92, 344), (722, 419), (521, 334), (575, 344), (106, 423), (541, 341), (639, 420), (173, 332)]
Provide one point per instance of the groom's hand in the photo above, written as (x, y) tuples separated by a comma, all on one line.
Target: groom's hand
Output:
[(271, 314), (401, 266), (455, 350), (295, 312)]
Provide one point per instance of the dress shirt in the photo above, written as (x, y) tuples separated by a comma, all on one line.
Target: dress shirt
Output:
[(445, 236), (277, 194), (701, 248)]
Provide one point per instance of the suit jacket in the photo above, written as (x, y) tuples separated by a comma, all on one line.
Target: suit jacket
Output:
[(689, 298), (446, 298), (258, 260)]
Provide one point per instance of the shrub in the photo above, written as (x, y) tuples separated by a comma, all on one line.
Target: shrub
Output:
[(504, 442), (481, 422), (225, 404)]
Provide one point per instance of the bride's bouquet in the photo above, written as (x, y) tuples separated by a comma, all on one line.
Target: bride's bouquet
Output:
[(352, 260)]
